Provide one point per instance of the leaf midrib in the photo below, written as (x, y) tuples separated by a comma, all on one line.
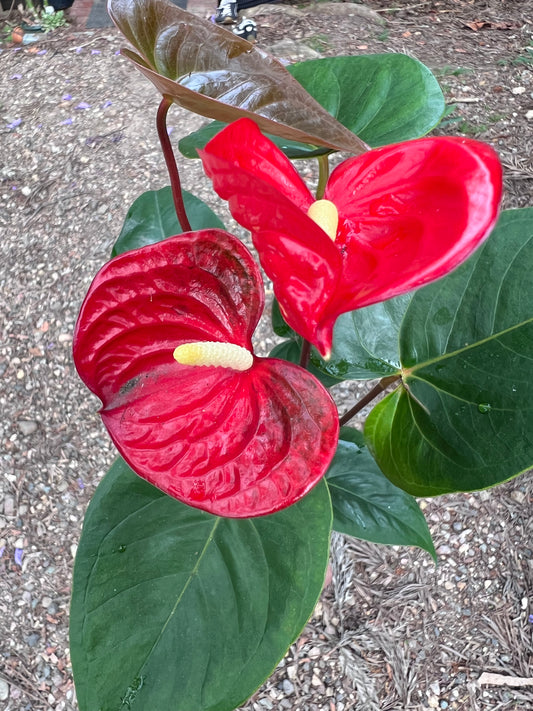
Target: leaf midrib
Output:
[(181, 594), (407, 372)]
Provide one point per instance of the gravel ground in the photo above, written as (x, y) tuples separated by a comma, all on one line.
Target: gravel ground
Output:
[(78, 144)]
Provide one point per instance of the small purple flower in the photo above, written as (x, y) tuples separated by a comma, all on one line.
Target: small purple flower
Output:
[(42, 51), (95, 51), (66, 97), (78, 50), (117, 52), (106, 104), (170, 129), (2, 549), (19, 555), (81, 485), (14, 124), (16, 76), (530, 619), (66, 122), (83, 105)]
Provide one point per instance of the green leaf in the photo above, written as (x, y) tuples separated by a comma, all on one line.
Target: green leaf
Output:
[(279, 325), (464, 418), (197, 140), (212, 72), (174, 609), (365, 503), (365, 342), (383, 98), (152, 218), (291, 350)]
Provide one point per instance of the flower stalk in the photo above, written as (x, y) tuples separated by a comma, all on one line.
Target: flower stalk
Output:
[(170, 161), (323, 175)]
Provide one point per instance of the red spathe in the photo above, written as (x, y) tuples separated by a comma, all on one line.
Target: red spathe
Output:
[(409, 213)]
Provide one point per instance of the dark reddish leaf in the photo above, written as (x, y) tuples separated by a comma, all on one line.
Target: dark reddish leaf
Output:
[(408, 214), (232, 443), (212, 72)]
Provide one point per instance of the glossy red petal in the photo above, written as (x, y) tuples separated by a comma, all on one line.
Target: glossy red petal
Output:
[(268, 197), (242, 147), (234, 444), (408, 214), (420, 207), (196, 286)]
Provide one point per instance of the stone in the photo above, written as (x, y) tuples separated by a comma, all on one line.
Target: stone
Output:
[(288, 687), (27, 427)]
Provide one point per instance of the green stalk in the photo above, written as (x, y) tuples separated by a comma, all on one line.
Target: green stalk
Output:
[(323, 175)]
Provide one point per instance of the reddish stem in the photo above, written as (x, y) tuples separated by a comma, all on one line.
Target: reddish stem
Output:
[(305, 353), (371, 394), (170, 160)]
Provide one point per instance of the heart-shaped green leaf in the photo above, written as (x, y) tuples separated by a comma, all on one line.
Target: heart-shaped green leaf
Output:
[(383, 98), (365, 503), (212, 72), (464, 418), (175, 609), (365, 342), (152, 217)]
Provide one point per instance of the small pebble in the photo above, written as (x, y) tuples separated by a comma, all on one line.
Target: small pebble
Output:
[(9, 506), (518, 496), (288, 687), (4, 690), (32, 639), (27, 427)]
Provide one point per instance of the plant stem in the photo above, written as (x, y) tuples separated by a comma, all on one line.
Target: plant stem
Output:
[(371, 394), (170, 160), (323, 175), (304, 354)]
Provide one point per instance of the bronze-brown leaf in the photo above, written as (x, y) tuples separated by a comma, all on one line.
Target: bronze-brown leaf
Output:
[(210, 71)]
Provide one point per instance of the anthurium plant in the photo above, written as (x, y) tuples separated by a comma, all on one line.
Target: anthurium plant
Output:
[(205, 547)]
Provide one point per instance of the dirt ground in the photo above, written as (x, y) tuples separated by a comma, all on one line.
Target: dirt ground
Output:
[(392, 631)]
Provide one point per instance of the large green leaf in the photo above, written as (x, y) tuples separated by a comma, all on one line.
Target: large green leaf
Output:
[(365, 503), (212, 72), (365, 342), (177, 610), (152, 217), (383, 98), (464, 418)]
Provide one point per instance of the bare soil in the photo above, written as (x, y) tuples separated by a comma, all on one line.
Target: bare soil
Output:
[(78, 144)]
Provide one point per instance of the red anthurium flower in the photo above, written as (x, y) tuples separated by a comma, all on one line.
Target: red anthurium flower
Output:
[(164, 340), (391, 220)]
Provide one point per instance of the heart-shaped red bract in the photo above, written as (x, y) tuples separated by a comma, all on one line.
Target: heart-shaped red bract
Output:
[(408, 214), (232, 443)]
